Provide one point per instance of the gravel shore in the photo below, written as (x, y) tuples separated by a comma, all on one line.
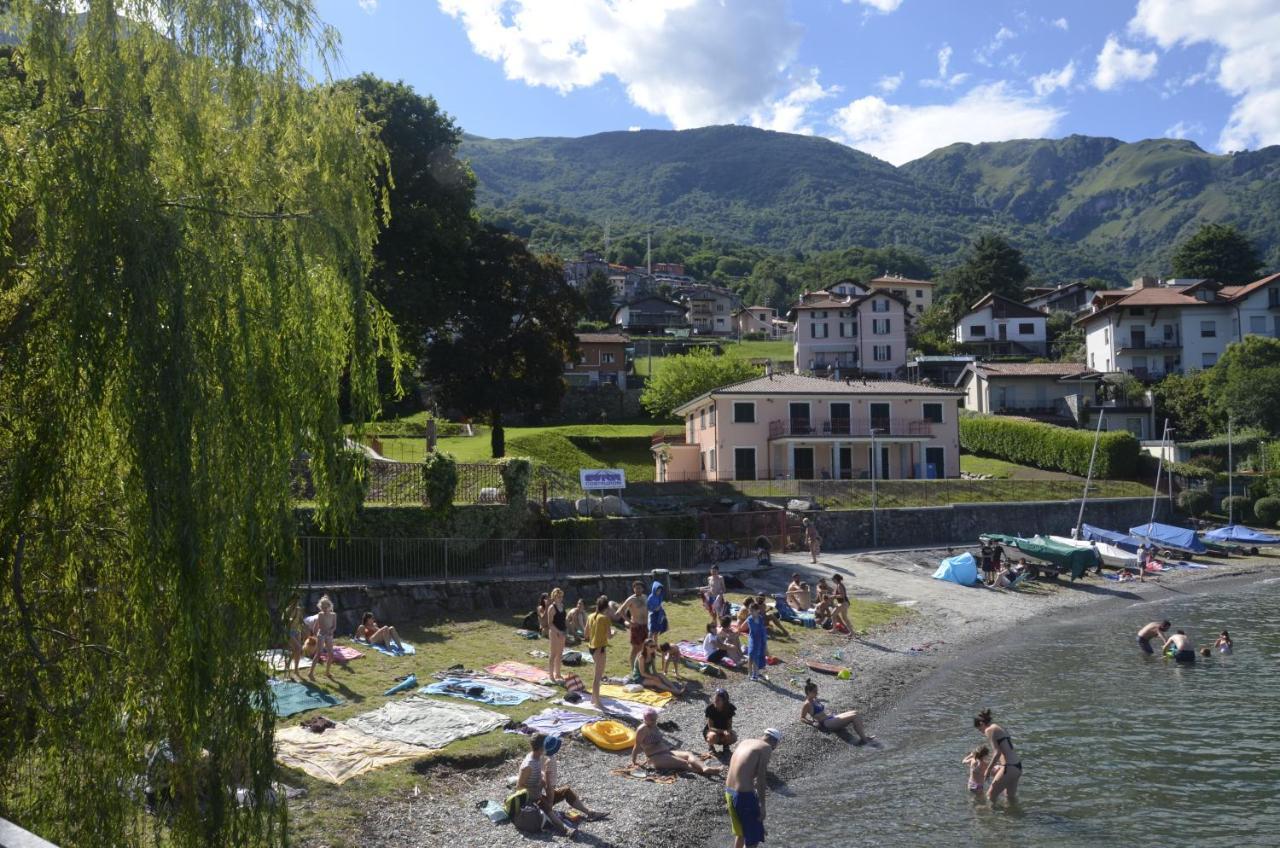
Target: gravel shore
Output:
[(949, 623)]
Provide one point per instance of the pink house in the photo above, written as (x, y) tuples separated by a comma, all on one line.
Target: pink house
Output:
[(850, 330), (792, 426)]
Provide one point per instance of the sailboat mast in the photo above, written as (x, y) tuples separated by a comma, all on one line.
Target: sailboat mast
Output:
[(1231, 478), (1155, 491), (1089, 477)]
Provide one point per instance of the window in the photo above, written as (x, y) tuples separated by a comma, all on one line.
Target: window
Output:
[(932, 412), (713, 416), (1208, 329), (711, 460), (1208, 360), (1027, 329), (606, 358), (879, 305), (882, 353), (720, 321), (880, 326), (977, 331), (920, 293), (744, 412), (1258, 324), (818, 331), (703, 421)]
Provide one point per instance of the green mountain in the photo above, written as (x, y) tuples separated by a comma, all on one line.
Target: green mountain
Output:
[(1077, 207)]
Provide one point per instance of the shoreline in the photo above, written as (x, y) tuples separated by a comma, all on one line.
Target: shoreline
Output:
[(953, 622)]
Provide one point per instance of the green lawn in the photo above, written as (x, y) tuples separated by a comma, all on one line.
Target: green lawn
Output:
[(777, 349), (334, 815), (1002, 470)]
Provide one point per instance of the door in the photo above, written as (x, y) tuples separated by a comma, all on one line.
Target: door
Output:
[(744, 463), (1137, 338), (840, 420), (934, 463), (846, 463), (800, 425), (1002, 331), (880, 416), (802, 463)]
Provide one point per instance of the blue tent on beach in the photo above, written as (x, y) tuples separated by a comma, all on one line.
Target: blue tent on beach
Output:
[(1240, 533), (1168, 536), (962, 569), (1121, 540)]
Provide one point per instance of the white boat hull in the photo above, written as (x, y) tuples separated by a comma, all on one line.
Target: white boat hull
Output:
[(1111, 555)]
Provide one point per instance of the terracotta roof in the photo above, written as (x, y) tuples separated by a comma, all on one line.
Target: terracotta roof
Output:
[(1245, 291), (603, 338), (1036, 369), (1003, 307), (905, 280), (799, 384)]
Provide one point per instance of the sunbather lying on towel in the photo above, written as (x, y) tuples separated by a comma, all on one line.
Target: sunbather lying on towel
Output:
[(371, 632)]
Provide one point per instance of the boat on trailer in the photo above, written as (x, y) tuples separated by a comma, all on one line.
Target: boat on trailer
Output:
[(1112, 555)]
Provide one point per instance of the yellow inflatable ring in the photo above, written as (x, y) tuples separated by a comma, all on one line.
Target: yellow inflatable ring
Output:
[(610, 735)]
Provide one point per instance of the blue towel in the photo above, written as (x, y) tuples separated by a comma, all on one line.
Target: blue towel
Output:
[(403, 686), (498, 696), (392, 652), (289, 697)]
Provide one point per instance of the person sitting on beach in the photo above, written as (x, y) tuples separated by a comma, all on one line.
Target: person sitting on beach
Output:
[(824, 589), (660, 754), (370, 631), (531, 779), (977, 763), (1005, 772), (815, 712), (577, 621), (711, 647), (635, 613), (671, 658), (1151, 631), (730, 641), (645, 672), (552, 792), (824, 613), (798, 594), (1224, 643), (1007, 578), (719, 729), (1180, 648), (746, 785), (326, 622)]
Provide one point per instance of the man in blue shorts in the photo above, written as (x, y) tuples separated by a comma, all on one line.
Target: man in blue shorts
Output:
[(746, 784)]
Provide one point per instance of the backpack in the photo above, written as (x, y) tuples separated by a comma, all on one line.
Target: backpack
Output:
[(530, 622), (530, 819), (514, 802)]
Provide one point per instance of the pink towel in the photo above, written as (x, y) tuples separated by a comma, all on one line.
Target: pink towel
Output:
[(519, 670), (341, 653)]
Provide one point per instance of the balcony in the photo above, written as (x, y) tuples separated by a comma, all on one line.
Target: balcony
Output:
[(1149, 344), (886, 428)]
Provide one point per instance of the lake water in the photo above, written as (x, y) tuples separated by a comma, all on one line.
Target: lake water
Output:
[(1119, 748)]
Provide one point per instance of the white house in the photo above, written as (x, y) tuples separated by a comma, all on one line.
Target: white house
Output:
[(996, 324)]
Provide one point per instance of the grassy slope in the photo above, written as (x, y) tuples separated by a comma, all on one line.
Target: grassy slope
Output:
[(778, 350)]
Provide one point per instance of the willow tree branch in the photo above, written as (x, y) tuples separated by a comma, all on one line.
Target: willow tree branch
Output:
[(248, 215)]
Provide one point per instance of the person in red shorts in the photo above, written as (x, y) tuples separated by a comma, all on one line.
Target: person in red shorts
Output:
[(635, 612)]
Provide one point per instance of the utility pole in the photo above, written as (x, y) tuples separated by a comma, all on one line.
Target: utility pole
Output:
[(648, 252)]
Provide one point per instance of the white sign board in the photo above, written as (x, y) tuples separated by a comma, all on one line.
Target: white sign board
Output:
[(598, 479)]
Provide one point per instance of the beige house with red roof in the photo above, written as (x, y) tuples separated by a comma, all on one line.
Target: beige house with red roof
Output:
[(918, 293), (790, 426)]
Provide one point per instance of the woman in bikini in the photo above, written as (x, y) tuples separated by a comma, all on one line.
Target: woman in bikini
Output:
[(841, 613), (557, 631), (1006, 765), (815, 712), (326, 624), (371, 632)]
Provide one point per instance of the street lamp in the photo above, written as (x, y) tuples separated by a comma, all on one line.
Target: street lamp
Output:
[(875, 472)]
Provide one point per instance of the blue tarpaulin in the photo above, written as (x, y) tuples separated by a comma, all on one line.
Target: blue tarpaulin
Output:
[(1168, 536), (962, 569), (1121, 540), (1240, 533)]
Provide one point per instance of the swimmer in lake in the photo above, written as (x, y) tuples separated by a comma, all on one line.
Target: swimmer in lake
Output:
[(1223, 645), (1004, 772), (1180, 648), (1151, 631)]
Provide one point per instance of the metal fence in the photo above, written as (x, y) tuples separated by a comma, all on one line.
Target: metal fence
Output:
[(891, 493), (401, 483), (381, 560)]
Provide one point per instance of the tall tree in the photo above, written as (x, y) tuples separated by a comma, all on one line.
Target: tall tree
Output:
[(1217, 252), (186, 225), (1186, 401), (598, 295), (992, 265), (505, 347), (1245, 383)]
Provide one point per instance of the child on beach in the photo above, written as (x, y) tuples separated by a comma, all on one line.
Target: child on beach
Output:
[(978, 764)]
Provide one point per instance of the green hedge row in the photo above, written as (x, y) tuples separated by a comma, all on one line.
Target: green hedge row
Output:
[(1049, 447)]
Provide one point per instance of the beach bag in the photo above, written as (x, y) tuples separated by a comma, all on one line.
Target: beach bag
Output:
[(530, 622), (529, 819), (571, 658), (514, 802), (573, 683)]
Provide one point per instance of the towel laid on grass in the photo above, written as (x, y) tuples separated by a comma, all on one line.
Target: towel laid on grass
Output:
[(519, 670), (278, 660), (533, 690), (552, 720), (341, 653), (614, 707), (645, 696), (491, 693), (288, 697), (418, 720), (408, 651), (340, 753)]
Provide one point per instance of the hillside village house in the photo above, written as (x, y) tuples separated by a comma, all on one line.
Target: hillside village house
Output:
[(998, 325), (710, 310), (756, 319), (602, 360), (1155, 327), (918, 293), (849, 329), (650, 314), (792, 426), (1072, 298)]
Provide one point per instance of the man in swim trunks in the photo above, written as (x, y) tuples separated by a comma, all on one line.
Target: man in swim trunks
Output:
[(1151, 631), (1179, 644), (745, 787), (635, 612)]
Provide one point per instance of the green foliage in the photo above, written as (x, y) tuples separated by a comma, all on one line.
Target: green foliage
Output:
[(516, 473), (1066, 339), (575, 528), (1267, 511), (440, 482), (1195, 501), (186, 222), (934, 331), (992, 265), (1189, 405), (1238, 507), (598, 295), (1189, 471), (685, 377), (569, 453), (1049, 447), (1245, 383), (1217, 252)]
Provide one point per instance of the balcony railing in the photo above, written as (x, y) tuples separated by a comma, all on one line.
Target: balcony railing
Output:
[(1150, 344), (852, 427)]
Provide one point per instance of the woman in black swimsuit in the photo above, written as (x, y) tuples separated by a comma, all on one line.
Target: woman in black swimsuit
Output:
[(556, 632), (1006, 765)]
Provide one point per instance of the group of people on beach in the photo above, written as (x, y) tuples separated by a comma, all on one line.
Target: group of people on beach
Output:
[(1178, 646), (312, 636)]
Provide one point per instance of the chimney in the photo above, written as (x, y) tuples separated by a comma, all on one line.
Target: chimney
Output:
[(1145, 283)]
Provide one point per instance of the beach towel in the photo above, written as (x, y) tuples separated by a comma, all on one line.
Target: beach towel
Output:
[(533, 690), (639, 773), (341, 654), (786, 612), (278, 660), (408, 651), (518, 670), (644, 696), (616, 708), (288, 697), (657, 615), (403, 686), (695, 652), (340, 753), (552, 720), (427, 722), (490, 693), (807, 618)]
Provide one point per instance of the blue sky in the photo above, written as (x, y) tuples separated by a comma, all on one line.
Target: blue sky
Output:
[(895, 78)]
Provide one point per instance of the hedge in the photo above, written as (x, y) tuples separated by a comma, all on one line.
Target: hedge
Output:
[(1048, 447), (1267, 511)]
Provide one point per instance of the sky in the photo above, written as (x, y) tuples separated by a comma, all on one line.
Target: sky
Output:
[(894, 78)]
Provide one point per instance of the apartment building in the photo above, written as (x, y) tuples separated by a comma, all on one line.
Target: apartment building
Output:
[(851, 333), (918, 293)]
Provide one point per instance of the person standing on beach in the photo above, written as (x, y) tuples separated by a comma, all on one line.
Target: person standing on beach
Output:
[(812, 540), (757, 641), (657, 613), (326, 622), (557, 632), (1006, 772), (715, 593), (746, 785), (842, 604), (599, 631), (635, 614), (1155, 629)]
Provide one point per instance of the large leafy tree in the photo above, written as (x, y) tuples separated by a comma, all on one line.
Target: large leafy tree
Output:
[(1217, 252), (185, 226), (992, 265), (598, 296), (1186, 401), (504, 348), (1245, 383), (684, 377)]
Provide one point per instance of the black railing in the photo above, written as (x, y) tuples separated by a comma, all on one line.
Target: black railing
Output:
[(853, 427)]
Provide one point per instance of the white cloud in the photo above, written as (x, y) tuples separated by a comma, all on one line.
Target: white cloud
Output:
[(944, 64), (696, 62), (790, 112), (889, 84), (369, 6), (882, 6), (1182, 129), (1118, 64), (1061, 23), (1247, 32), (986, 55), (944, 59), (1051, 81), (897, 134)]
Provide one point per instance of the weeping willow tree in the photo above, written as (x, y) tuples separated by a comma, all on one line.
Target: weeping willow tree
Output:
[(187, 220)]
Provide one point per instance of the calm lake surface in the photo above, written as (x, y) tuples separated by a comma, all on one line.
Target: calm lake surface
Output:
[(1119, 748)]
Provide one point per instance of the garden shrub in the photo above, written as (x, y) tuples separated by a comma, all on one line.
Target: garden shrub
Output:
[(516, 473), (1267, 511), (1238, 506), (1048, 447), (440, 482), (1195, 501)]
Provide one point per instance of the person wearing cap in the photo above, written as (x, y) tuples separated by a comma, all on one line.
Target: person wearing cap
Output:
[(719, 729), (660, 754), (746, 785), (552, 793)]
